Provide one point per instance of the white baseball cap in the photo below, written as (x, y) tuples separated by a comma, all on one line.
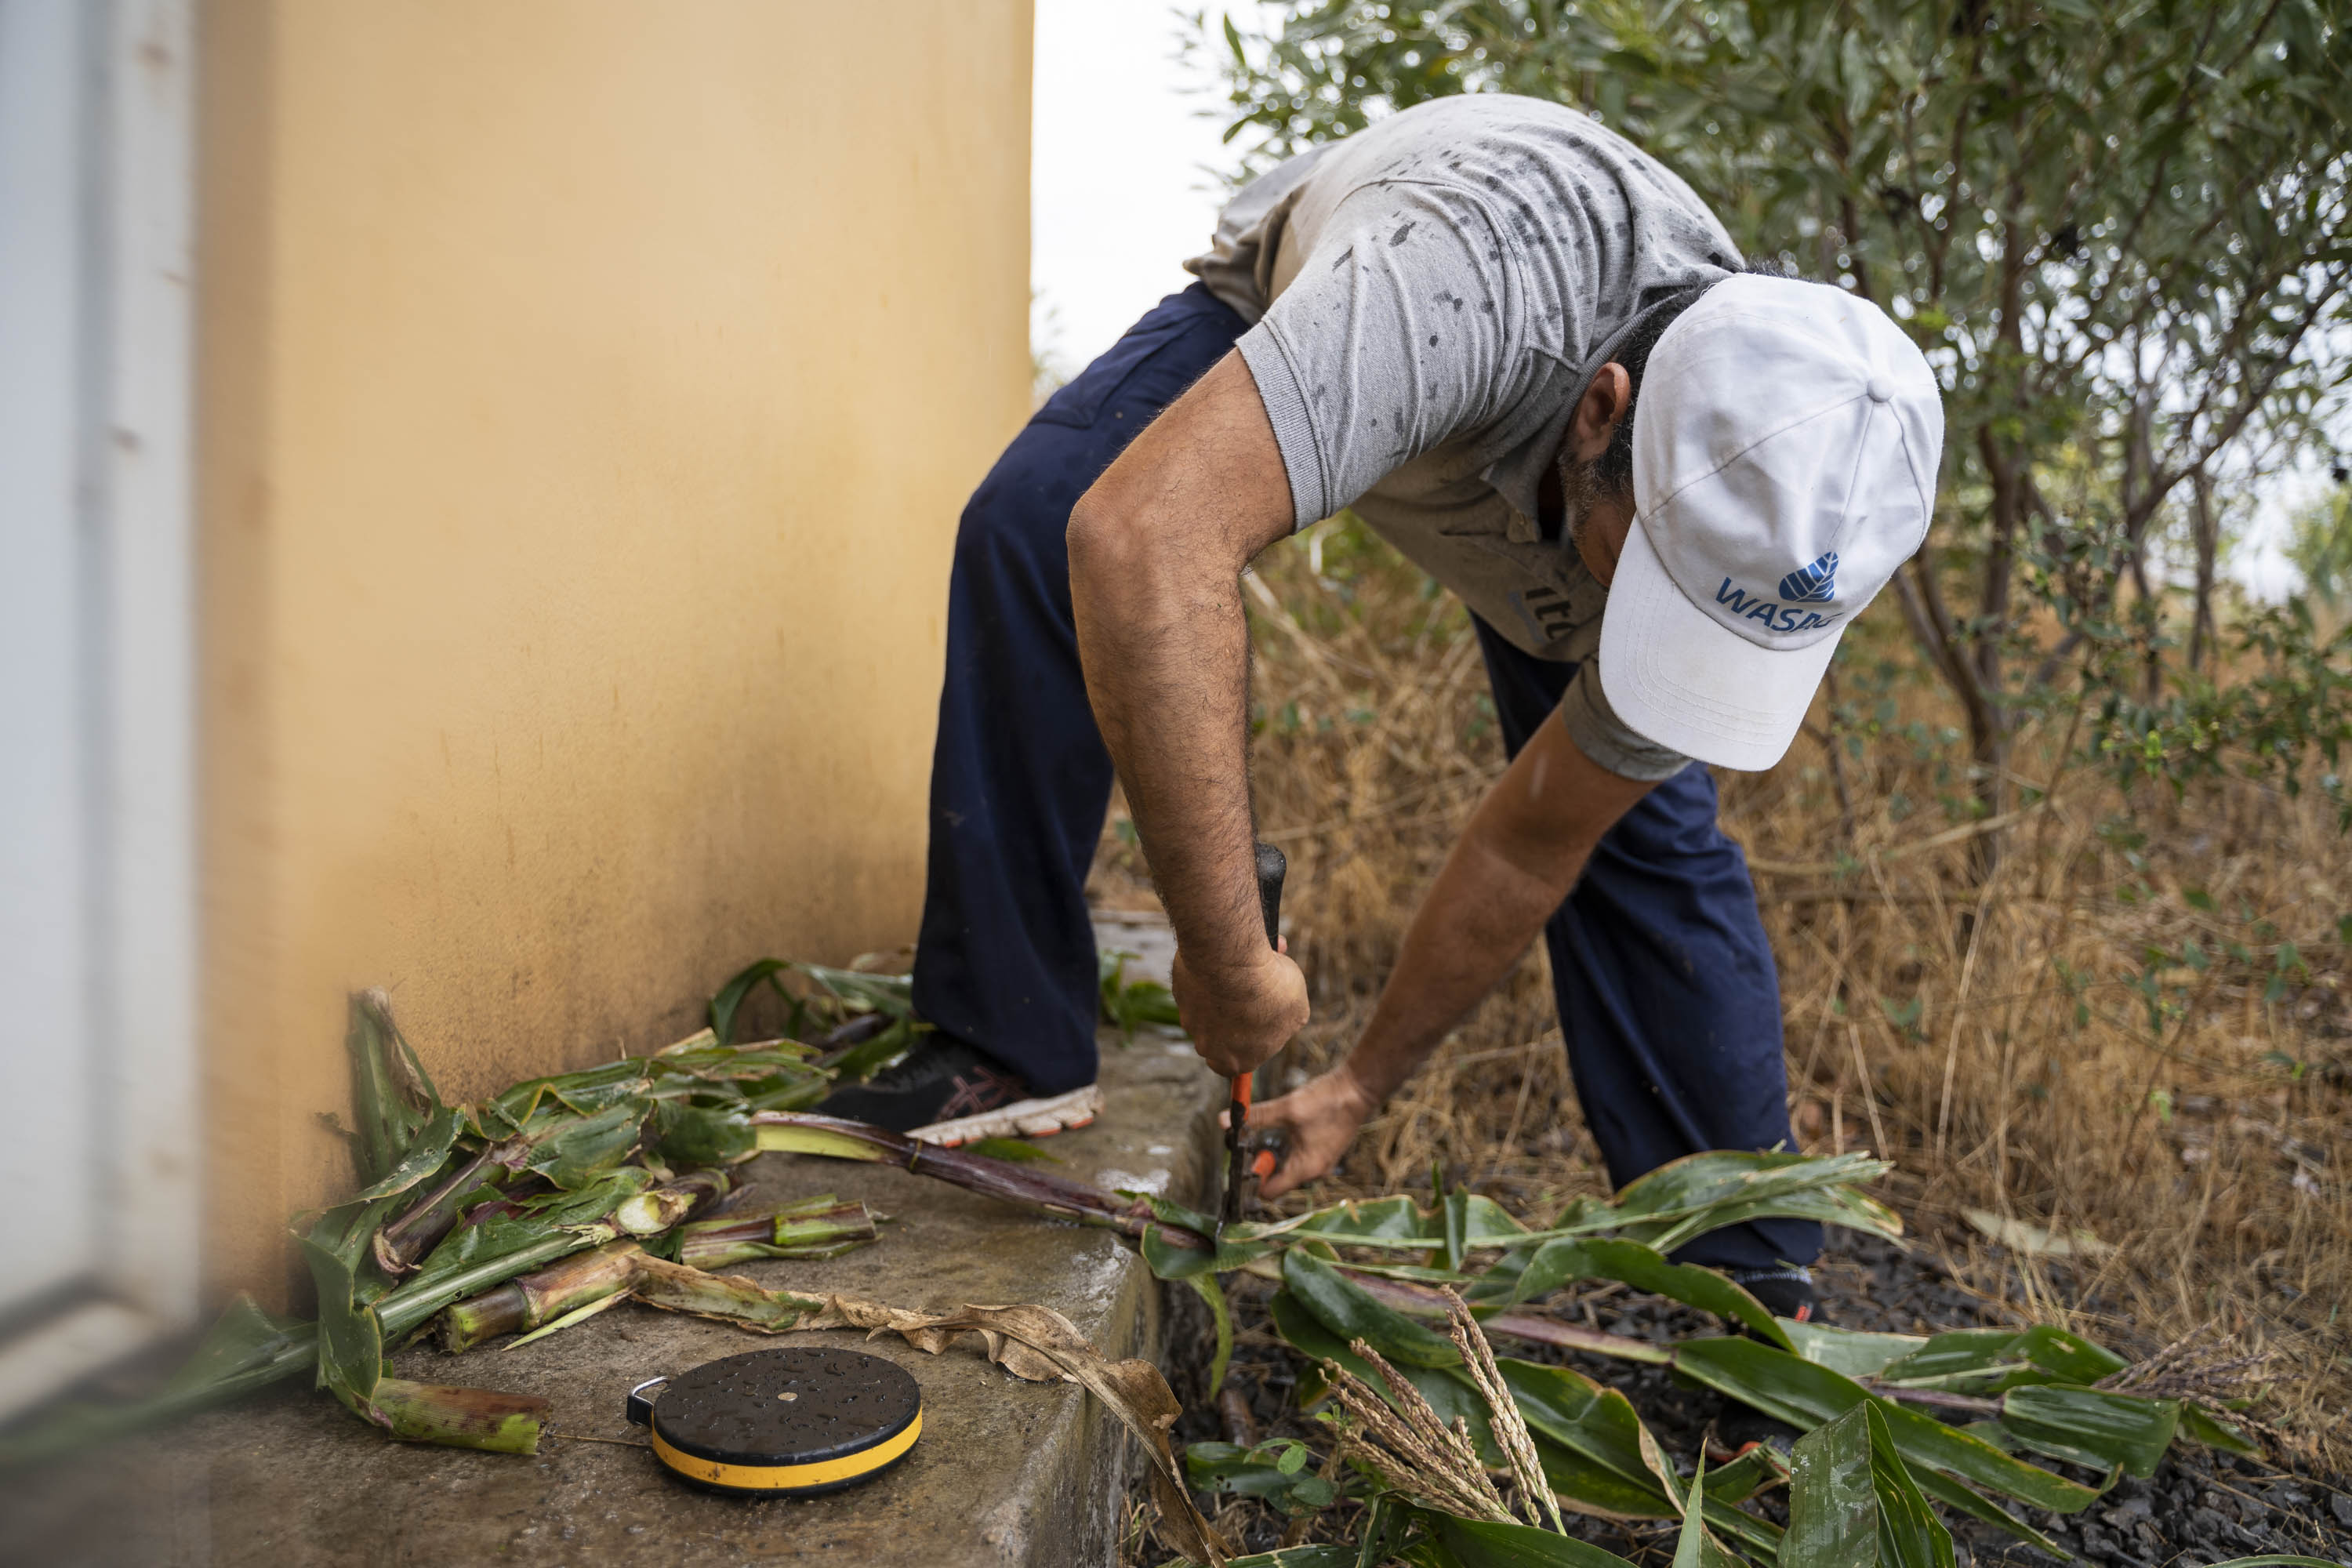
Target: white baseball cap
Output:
[(1785, 447)]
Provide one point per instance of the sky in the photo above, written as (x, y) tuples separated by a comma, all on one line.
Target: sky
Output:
[(1123, 167), (1122, 163)]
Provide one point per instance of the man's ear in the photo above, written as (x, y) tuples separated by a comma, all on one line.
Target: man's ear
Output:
[(1599, 412)]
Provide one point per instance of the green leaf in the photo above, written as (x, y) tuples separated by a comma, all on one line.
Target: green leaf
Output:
[(2116, 1428), (1849, 1351), (1317, 1556), (1449, 1393), (1555, 1263), (855, 1064), (683, 1134), (1853, 1502), (1909, 1533), (1489, 1543), (1832, 1502), (391, 1098), (731, 997), (1212, 1296), (351, 1340), (425, 1157), (1805, 1396), (1348, 1312), (2202, 1425), (241, 1341), (586, 1147), (1690, 1541)]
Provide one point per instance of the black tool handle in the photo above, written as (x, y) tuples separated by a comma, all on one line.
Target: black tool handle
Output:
[(1272, 867)]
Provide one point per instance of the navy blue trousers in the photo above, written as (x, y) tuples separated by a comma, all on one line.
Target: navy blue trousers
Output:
[(1668, 998)]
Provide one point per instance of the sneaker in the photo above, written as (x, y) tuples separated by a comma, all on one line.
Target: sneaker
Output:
[(949, 1094), (1787, 1292)]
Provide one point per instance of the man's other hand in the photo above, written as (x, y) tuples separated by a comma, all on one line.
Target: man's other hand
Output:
[(1319, 1120), (1239, 1016)]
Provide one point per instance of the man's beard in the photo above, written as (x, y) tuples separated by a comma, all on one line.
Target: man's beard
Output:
[(1579, 490)]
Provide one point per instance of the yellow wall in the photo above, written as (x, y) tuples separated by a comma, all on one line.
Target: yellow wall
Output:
[(588, 389)]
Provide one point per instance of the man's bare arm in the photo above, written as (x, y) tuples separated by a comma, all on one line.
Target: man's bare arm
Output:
[(1525, 847), (1157, 548)]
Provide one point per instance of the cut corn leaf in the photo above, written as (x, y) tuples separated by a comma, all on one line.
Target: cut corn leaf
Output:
[(1590, 1443), (1805, 1396), (1317, 1556), (1848, 1350), (584, 1147), (681, 1134), (1989, 1359), (1909, 1533), (1838, 1206), (1212, 1296), (730, 997), (1348, 1312), (1449, 1394), (1760, 1468), (884, 1051), (1172, 1254), (2200, 1425), (1853, 1502), (1555, 1263), (1690, 1541), (1699, 1182), (2112, 1428), (1832, 1496), (391, 1098), (529, 1227), (1490, 1543), (537, 1106), (426, 1156)]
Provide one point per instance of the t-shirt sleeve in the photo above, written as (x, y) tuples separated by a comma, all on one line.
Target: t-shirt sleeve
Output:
[(1608, 741), (1398, 333)]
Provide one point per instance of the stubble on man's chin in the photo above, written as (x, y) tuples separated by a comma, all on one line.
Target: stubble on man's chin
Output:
[(1579, 491)]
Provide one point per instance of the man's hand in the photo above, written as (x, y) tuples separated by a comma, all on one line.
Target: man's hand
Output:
[(1522, 852), (1157, 548), (1319, 1120), (1239, 1016)]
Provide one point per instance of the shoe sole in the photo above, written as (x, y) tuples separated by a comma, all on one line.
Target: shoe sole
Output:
[(1021, 1119)]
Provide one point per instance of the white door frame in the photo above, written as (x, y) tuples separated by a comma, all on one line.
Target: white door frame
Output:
[(97, 101)]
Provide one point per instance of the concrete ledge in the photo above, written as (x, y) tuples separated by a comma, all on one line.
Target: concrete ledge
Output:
[(1006, 1473)]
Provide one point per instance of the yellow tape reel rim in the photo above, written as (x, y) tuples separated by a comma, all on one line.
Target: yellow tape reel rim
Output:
[(822, 1475)]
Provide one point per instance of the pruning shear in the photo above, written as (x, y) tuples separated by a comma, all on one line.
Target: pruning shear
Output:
[(1272, 867)]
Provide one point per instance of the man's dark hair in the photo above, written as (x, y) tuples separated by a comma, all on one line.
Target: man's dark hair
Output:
[(1614, 467)]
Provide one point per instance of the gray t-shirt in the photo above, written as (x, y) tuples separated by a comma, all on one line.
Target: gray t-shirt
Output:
[(1431, 297)]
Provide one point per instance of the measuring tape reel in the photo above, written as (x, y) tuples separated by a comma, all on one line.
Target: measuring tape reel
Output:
[(793, 1422)]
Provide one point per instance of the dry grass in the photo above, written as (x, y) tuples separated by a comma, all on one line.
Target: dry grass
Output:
[(2012, 1042)]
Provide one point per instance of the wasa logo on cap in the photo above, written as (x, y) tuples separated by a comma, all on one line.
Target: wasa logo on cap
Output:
[(1813, 583)]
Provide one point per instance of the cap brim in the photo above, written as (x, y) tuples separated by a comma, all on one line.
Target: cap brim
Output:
[(1676, 676)]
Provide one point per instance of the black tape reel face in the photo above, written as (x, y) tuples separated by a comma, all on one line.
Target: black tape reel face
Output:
[(784, 1423)]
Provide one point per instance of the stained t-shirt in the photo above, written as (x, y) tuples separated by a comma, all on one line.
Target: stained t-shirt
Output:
[(1431, 297)]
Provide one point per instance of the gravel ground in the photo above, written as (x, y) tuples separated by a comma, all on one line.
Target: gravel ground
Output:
[(2200, 1508)]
